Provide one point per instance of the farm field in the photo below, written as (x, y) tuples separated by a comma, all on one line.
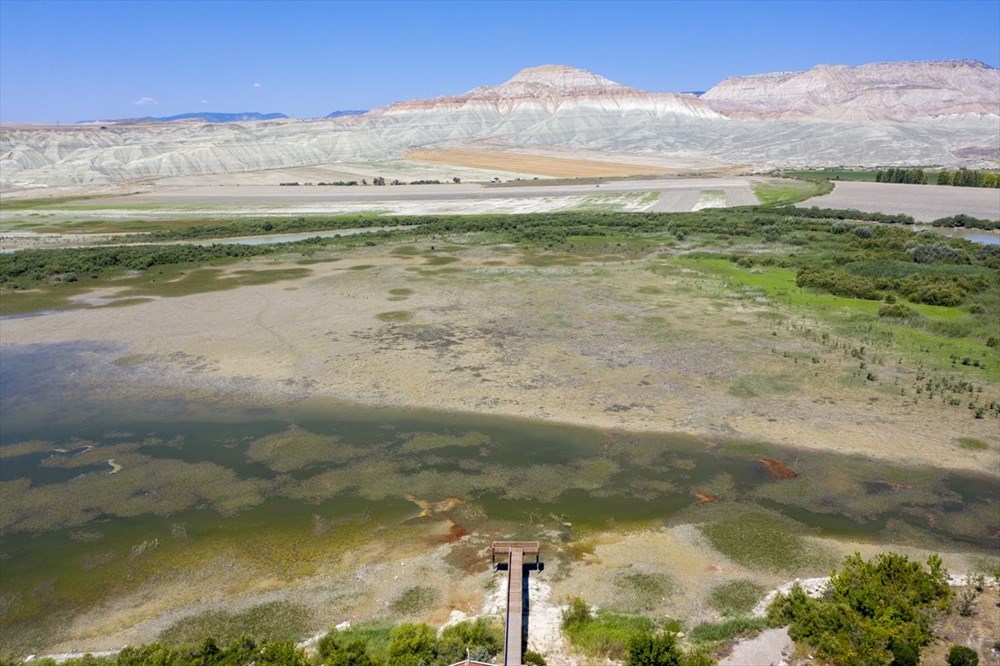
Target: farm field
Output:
[(185, 203), (833, 174), (542, 165), (924, 202)]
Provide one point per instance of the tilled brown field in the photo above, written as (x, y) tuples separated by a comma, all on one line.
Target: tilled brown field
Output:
[(537, 164)]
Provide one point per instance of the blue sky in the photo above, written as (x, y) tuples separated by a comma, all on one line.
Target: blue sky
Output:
[(69, 61)]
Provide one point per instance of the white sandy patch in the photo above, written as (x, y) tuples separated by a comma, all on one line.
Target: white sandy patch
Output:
[(772, 647)]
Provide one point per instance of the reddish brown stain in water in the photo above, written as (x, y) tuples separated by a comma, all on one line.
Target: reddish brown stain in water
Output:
[(778, 469)]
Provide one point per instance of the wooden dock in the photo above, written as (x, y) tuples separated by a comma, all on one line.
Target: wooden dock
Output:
[(514, 552)]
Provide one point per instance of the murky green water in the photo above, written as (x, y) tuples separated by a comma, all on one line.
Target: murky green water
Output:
[(284, 489)]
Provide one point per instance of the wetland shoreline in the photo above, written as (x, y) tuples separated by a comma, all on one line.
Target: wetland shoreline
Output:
[(336, 430)]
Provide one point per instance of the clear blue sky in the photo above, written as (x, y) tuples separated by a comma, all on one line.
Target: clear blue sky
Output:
[(68, 61)]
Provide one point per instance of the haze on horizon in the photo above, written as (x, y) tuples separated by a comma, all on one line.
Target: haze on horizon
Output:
[(62, 62)]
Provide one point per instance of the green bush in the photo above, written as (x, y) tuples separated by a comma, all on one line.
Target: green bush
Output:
[(576, 614), (534, 658), (334, 649), (483, 637), (895, 310), (870, 608), (959, 655), (647, 649), (412, 645), (904, 654)]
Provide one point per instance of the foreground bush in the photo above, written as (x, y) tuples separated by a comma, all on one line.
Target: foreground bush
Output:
[(876, 612)]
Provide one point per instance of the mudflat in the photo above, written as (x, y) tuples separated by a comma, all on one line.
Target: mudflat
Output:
[(629, 344)]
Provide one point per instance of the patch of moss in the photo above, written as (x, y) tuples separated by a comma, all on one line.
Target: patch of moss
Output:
[(751, 386), (429, 441), (296, 448), (758, 540), (414, 600), (275, 621), (395, 316), (437, 260), (736, 597), (972, 444), (641, 591)]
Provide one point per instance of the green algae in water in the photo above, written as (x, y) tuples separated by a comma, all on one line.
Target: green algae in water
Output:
[(278, 491), (275, 621)]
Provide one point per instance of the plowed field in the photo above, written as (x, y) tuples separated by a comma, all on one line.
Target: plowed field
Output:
[(537, 164)]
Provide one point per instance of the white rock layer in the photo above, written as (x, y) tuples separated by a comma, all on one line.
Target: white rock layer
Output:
[(871, 115)]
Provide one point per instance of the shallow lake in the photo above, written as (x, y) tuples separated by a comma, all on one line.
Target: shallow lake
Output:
[(96, 472)]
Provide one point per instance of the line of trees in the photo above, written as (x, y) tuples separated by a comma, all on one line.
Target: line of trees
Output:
[(969, 178), (914, 176)]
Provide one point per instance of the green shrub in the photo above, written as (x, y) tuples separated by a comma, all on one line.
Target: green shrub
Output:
[(904, 654), (895, 310), (483, 636), (410, 644), (534, 658), (870, 608), (959, 655), (353, 653), (605, 634), (576, 614), (648, 649), (712, 632)]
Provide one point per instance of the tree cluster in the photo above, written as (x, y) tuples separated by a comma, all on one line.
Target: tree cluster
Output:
[(913, 176), (22, 269), (969, 178)]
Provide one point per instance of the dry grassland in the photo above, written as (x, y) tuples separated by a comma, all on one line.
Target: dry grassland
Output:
[(536, 164)]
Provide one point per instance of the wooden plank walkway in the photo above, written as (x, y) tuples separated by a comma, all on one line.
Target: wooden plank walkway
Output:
[(515, 613), (514, 551)]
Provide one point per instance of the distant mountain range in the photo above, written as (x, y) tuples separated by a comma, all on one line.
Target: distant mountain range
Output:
[(204, 116), (942, 113), (348, 112), (213, 117)]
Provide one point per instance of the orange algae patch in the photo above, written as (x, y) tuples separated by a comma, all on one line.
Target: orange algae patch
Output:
[(778, 469)]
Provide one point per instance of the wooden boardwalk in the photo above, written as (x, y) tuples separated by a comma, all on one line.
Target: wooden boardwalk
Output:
[(514, 551)]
